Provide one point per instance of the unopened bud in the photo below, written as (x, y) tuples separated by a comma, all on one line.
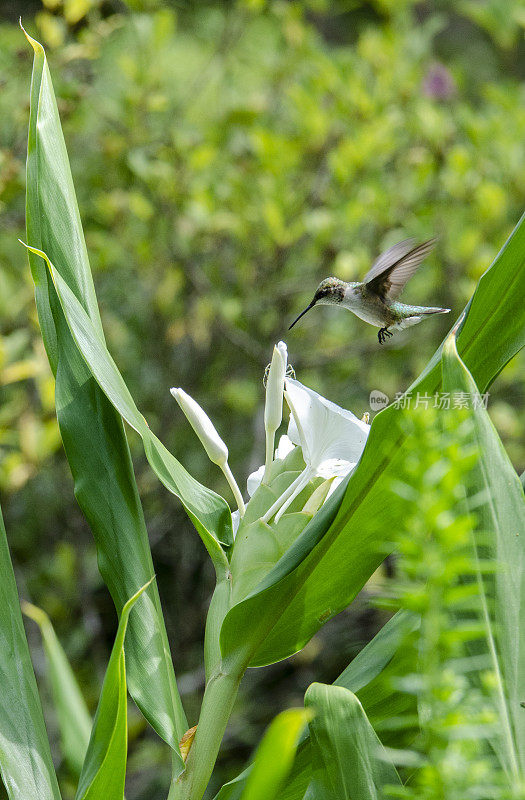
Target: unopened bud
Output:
[(273, 410), (203, 427), (211, 441)]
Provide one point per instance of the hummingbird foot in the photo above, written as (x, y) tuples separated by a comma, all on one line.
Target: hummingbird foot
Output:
[(382, 334)]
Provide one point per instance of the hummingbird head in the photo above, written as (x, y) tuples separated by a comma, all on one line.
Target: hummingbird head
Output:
[(330, 291)]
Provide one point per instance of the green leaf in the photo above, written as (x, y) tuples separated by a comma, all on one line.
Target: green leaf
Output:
[(348, 759), (25, 758), (233, 789), (374, 675), (491, 327), (275, 755), (348, 538), (104, 770), (74, 720), (495, 496), (494, 329), (371, 676), (208, 511), (378, 653), (92, 431)]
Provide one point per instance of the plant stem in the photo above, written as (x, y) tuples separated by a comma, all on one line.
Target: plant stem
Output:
[(270, 440), (217, 704), (228, 474)]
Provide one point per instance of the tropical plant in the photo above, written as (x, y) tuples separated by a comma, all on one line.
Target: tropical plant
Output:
[(323, 513)]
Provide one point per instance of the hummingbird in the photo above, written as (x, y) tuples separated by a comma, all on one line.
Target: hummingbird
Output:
[(375, 298)]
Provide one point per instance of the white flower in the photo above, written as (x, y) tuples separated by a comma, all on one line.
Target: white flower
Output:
[(210, 439), (331, 438), (323, 429)]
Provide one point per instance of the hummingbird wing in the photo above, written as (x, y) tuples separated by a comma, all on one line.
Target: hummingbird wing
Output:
[(389, 258), (391, 271)]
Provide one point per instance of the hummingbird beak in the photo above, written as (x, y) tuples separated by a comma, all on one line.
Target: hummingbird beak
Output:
[(312, 304)]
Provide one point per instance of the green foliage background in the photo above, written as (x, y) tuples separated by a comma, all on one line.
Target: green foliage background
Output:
[(227, 156)]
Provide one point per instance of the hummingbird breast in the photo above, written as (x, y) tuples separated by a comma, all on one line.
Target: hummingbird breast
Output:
[(367, 306)]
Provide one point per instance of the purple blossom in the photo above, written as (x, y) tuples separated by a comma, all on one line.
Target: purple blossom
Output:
[(438, 83)]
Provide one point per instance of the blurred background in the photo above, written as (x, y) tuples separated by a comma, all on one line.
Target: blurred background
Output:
[(227, 156)]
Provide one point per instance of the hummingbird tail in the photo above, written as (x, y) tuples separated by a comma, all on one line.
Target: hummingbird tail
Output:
[(435, 311)]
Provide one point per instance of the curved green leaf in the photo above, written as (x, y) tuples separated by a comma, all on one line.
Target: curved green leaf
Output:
[(92, 431), (233, 789), (346, 541), (209, 512), (74, 720), (25, 758), (494, 329), (104, 770), (496, 498), (348, 759), (378, 653)]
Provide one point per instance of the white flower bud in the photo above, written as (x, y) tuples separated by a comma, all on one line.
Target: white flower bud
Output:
[(203, 427), (273, 410), (210, 439)]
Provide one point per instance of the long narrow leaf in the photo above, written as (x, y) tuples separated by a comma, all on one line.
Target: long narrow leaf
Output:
[(378, 653), (501, 523), (208, 511), (74, 720), (25, 758), (91, 430), (104, 770)]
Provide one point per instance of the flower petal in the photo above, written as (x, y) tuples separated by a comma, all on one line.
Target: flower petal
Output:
[(334, 468), (324, 430), (284, 447), (236, 521), (254, 480)]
